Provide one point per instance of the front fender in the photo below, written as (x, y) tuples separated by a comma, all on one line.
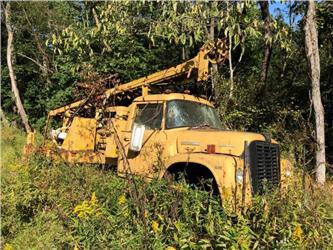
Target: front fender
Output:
[(223, 168), (217, 164)]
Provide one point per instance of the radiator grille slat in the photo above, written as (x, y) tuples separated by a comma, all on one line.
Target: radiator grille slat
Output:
[(264, 165)]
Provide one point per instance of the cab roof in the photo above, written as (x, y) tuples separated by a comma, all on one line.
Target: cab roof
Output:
[(171, 96)]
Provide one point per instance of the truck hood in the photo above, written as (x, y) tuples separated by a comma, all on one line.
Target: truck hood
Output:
[(226, 142)]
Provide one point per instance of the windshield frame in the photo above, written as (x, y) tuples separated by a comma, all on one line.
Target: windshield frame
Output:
[(186, 126)]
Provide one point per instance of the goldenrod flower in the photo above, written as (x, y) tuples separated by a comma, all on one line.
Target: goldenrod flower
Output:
[(8, 247), (122, 200), (93, 199), (87, 208), (155, 226), (298, 232)]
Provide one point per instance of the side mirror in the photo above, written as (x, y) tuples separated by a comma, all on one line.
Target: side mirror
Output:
[(137, 137)]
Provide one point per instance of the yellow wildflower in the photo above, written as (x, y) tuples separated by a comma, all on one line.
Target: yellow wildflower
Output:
[(8, 247), (298, 232), (86, 208), (155, 226), (122, 200), (93, 199), (170, 248)]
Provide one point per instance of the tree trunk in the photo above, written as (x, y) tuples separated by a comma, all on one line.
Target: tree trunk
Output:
[(312, 54), (214, 69), (231, 68), (264, 7), (10, 49)]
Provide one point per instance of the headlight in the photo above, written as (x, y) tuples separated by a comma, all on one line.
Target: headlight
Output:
[(239, 176), (57, 134), (62, 135)]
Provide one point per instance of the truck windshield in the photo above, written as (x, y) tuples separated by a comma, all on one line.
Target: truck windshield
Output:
[(191, 114)]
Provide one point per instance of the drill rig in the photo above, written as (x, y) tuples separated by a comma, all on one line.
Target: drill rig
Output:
[(159, 134), (85, 140)]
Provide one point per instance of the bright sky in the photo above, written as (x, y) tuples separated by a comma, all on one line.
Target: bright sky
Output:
[(277, 8)]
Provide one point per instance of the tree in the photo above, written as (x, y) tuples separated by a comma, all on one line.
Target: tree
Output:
[(312, 54), (324, 16), (264, 6), (194, 22), (112, 38), (10, 50), (42, 83)]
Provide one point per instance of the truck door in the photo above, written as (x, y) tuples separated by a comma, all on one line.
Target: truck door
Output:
[(148, 161)]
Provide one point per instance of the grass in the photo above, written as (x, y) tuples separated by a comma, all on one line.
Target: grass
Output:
[(48, 205)]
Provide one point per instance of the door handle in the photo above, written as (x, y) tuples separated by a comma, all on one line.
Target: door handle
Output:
[(126, 139)]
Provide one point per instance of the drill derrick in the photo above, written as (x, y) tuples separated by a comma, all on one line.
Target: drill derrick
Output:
[(197, 68), (211, 52)]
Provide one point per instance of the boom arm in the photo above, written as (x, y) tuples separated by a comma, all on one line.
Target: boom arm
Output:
[(210, 52)]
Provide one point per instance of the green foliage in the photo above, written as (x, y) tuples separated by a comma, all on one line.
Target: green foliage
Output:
[(192, 23), (34, 23), (107, 40), (52, 205), (12, 140)]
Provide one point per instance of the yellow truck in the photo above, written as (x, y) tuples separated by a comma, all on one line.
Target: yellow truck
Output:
[(163, 135)]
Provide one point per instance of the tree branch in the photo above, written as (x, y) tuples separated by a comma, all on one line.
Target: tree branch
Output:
[(36, 62)]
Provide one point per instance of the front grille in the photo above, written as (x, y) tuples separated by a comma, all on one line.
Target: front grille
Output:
[(264, 165)]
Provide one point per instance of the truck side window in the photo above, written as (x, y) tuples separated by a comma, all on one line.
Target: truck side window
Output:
[(149, 115)]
